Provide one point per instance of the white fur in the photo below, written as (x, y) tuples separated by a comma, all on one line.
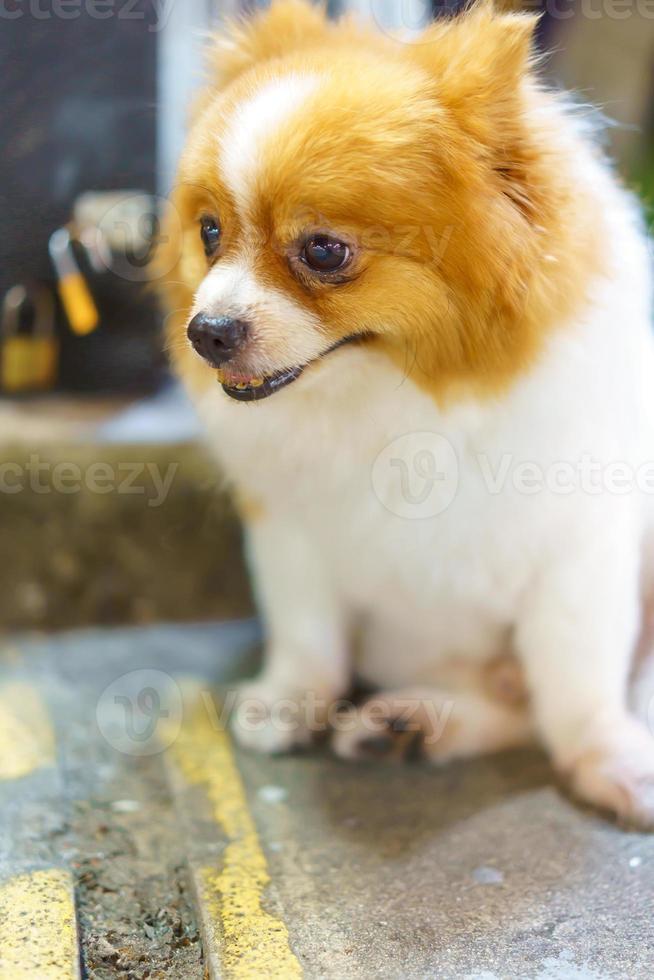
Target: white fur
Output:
[(232, 287), (253, 122), (284, 333), (555, 576)]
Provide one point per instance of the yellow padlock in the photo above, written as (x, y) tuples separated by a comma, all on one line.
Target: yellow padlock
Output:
[(29, 350)]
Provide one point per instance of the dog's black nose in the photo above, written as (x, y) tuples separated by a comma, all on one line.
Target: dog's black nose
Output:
[(216, 338)]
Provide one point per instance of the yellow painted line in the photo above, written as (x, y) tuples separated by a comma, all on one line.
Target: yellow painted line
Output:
[(253, 942), (26, 738), (38, 934)]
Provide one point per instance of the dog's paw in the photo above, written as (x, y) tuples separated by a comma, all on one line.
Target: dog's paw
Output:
[(425, 723), (269, 719), (618, 775), (392, 741), (385, 728)]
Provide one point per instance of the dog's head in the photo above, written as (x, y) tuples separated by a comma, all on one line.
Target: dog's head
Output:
[(339, 187)]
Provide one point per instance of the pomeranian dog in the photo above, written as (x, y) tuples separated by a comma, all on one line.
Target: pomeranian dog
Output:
[(411, 303)]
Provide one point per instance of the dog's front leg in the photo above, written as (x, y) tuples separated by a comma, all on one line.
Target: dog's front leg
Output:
[(576, 638), (306, 663)]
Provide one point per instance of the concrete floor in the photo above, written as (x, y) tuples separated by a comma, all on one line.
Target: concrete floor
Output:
[(202, 858)]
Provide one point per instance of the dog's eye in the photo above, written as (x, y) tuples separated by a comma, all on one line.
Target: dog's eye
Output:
[(210, 234), (324, 254)]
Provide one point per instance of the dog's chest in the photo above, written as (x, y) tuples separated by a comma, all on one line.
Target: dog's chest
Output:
[(389, 490)]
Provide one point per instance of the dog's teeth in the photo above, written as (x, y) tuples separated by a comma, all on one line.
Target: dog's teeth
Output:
[(238, 385)]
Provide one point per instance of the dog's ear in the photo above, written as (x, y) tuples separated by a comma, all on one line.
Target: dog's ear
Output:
[(478, 61), (287, 25)]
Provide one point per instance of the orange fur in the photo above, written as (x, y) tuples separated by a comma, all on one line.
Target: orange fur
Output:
[(249, 508), (438, 158)]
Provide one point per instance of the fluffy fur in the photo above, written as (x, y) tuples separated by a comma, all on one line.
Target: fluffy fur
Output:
[(500, 285)]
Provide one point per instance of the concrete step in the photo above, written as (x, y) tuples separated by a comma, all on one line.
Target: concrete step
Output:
[(187, 857), (116, 535)]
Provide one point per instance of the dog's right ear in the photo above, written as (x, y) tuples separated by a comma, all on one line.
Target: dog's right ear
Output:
[(287, 25)]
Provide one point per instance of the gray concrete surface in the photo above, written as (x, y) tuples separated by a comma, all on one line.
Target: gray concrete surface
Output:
[(482, 871)]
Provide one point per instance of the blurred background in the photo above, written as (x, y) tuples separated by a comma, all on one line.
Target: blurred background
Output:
[(109, 511)]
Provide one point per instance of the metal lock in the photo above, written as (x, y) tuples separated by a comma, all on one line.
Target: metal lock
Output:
[(74, 293), (28, 344)]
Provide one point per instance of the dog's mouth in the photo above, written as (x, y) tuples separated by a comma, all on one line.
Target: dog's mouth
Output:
[(250, 389)]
